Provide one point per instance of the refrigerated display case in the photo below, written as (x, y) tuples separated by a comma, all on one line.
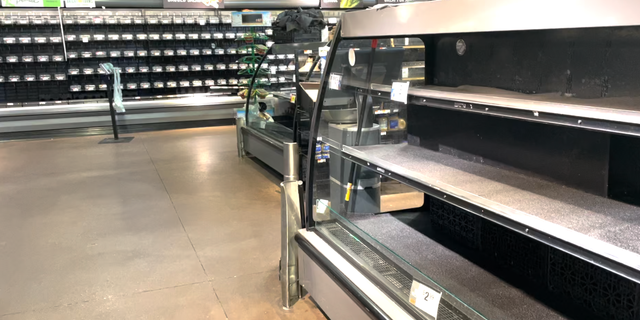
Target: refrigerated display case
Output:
[(485, 154), (288, 73)]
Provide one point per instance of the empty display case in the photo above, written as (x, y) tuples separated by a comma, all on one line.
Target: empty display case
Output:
[(486, 151)]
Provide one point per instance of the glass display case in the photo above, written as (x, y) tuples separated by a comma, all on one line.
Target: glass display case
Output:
[(482, 159), (277, 105)]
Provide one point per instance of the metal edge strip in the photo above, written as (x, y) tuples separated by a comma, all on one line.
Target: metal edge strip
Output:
[(359, 297), (567, 109)]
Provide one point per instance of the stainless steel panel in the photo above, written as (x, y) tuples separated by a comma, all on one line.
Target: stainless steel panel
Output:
[(270, 4), (291, 223), (80, 121), (456, 16), (129, 105), (333, 301), (264, 148)]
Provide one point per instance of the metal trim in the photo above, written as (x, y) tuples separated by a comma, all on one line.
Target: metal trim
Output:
[(359, 297), (619, 121), (460, 16)]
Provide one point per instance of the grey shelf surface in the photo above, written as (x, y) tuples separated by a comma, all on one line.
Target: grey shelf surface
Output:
[(620, 109), (612, 114), (489, 295), (605, 227)]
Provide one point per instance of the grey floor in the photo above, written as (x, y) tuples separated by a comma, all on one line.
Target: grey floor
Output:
[(170, 226)]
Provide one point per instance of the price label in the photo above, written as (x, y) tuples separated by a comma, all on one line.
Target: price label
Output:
[(399, 91), (335, 81), (425, 298)]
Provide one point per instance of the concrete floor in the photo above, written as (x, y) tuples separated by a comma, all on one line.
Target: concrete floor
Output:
[(170, 226)]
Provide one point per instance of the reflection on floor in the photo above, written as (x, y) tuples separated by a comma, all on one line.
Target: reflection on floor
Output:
[(170, 226)]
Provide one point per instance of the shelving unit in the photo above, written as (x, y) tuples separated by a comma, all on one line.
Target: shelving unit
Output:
[(52, 58), (522, 141)]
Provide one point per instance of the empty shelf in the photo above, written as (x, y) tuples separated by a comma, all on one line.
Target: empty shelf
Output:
[(486, 293), (584, 223)]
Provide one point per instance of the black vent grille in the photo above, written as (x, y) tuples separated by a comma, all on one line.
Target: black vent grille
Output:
[(602, 292)]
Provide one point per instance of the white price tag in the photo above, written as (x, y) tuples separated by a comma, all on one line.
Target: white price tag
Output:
[(399, 91), (335, 81), (323, 51), (425, 298), (405, 73)]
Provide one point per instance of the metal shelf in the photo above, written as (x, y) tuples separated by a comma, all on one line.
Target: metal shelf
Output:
[(615, 115), (599, 230)]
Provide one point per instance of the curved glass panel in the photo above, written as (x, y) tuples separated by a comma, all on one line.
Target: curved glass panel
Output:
[(272, 107), (367, 214)]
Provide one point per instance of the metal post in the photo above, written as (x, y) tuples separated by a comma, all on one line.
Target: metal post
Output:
[(291, 223), (112, 110), (240, 139)]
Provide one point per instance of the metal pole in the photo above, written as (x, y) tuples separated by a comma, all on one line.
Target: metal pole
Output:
[(291, 223), (112, 110), (240, 140)]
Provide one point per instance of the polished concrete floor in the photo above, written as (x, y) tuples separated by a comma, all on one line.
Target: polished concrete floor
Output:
[(170, 226)]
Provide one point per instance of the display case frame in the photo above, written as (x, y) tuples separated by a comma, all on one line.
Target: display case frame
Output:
[(616, 258)]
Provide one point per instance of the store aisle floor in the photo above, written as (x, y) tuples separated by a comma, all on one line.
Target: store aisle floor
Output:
[(170, 226)]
